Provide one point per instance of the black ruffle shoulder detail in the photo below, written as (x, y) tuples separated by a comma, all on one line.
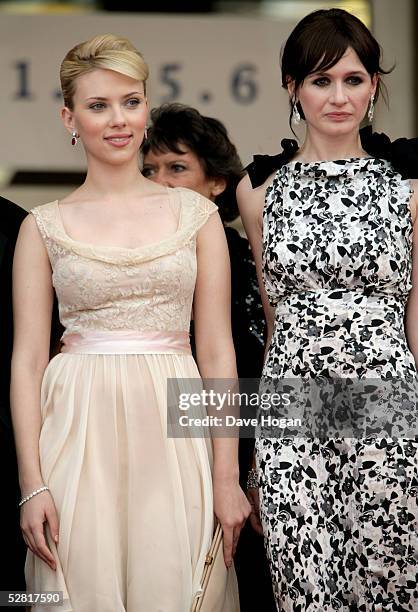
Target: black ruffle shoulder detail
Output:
[(401, 153), (263, 166)]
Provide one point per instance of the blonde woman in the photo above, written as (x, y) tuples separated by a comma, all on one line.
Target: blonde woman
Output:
[(115, 514)]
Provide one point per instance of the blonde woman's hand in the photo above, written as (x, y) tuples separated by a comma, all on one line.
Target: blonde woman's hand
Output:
[(254, 499), (36, 515), (232, 510)]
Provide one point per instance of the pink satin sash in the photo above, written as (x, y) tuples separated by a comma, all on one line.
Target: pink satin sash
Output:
[(124, 342)]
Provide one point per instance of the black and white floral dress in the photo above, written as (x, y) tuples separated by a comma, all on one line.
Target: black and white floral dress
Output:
[(339, 515)]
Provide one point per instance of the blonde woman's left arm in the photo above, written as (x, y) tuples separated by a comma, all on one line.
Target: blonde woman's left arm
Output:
[(216, 360)]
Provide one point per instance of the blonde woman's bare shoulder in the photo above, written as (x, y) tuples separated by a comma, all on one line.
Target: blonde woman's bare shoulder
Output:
[(31, 238), (29, 226), (187, 193), (195, 199)]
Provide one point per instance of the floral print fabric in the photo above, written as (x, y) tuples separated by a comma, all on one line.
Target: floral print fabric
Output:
[(340, 515)]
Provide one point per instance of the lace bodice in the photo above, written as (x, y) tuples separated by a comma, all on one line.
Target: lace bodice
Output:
[(114, 288)]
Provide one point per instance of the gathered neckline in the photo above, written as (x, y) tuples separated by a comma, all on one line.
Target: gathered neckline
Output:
[(194, 212), (350, 166), (114, 248)]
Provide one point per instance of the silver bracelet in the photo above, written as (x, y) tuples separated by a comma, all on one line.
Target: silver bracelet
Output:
[(28, 497), (252, 479)]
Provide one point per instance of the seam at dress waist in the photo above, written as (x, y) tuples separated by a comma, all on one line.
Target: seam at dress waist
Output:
[(342, 300), (127, 342)]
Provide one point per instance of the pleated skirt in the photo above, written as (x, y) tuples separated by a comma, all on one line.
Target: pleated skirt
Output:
[(135, 506)]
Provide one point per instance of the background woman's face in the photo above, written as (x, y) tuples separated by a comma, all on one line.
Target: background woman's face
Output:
[(178, 170), (335, 101)]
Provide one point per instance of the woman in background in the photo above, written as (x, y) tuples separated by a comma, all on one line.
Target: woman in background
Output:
[(184, 148), (115, 514), (333, 231)]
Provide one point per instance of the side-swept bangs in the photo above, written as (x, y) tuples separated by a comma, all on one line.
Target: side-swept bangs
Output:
[(321, 39)]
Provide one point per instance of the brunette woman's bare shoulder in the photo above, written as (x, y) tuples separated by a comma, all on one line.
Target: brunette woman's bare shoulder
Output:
[(251, 199), (414, 200)]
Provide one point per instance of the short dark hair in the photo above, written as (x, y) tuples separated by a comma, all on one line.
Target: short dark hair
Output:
[(320, 40), (175, 124)]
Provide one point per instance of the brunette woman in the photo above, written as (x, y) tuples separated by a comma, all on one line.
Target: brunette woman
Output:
[(332, 228)]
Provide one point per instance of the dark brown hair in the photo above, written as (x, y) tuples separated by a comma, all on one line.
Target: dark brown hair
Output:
[(176, 124), (320, 40)]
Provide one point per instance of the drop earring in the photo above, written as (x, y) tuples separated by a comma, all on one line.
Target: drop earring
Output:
[(146, 134), (74, 138), (370, 112), (295, 114)]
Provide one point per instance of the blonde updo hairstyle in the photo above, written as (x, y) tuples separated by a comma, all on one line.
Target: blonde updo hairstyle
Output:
[(105, 51)]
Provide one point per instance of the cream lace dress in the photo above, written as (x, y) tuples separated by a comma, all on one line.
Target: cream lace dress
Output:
[(135, 507)]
